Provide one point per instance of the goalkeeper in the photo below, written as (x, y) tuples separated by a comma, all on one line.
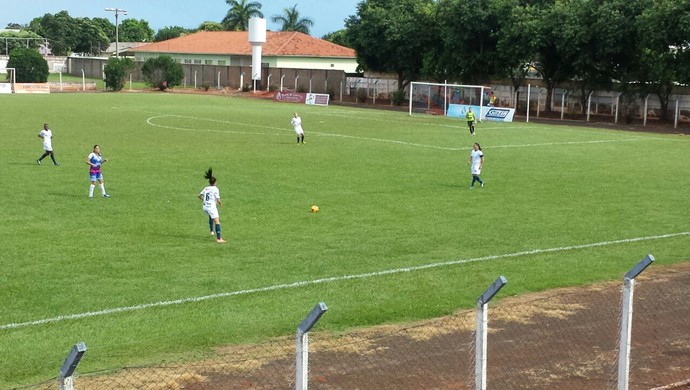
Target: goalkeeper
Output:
[(470, 120)]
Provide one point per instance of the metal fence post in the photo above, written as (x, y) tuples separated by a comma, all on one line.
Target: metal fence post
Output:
[(482, 332), (70, 364), (626, 321), (302, 355)]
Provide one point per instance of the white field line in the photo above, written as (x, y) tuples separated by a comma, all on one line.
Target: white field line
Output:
[(151, 120), (284, 286)]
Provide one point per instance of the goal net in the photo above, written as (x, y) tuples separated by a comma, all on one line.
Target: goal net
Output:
[(447, 99), (7, 80)]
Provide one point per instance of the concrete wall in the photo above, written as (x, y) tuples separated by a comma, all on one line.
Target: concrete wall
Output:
[(233, 77)]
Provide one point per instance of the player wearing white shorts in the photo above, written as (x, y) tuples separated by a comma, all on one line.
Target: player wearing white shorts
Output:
[(47, 135), (210, 198), (297, 124), (477, 162)]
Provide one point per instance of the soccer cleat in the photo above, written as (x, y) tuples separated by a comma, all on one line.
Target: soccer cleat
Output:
[(221, 241), (471, 187), (38, 162), (57, 164), (482, 185), (106, 195), (212, 233)]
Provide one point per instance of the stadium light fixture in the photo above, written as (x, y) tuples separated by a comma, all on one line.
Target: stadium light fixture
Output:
[(117, 12)]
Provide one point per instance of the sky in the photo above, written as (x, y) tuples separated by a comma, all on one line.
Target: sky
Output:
[(327, 15)]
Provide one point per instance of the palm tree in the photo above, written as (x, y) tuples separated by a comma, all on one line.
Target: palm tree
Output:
[(292, 22), (237, 18)]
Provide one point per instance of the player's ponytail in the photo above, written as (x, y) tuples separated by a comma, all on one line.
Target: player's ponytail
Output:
[(478, 146), (209, 176)]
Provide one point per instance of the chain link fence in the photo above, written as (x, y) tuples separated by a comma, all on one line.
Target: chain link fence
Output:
[(561, 339)]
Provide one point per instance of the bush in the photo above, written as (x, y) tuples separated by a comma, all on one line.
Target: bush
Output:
[(29, 65), (116, 71), (362, 95), (398, 97), (162, 72), (205, 86), (246, 88)]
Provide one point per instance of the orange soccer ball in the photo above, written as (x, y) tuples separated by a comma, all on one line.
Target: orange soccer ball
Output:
[(314, 209)]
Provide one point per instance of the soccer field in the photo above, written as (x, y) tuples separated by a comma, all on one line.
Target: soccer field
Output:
[(400, 236)]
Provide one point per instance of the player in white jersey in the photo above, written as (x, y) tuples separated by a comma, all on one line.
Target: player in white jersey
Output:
[(477, 162), (210, 198), (297, 124), (95, 160), (47, 135)]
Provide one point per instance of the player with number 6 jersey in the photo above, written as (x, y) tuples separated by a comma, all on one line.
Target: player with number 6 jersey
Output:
[(210, 198)]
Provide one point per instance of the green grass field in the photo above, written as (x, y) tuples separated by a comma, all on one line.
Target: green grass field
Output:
[(562, 206)]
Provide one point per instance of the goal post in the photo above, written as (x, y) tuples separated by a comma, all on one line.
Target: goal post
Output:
[(8, 82), (444, 99)]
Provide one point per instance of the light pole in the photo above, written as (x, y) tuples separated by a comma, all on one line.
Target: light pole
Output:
[(117, 11)]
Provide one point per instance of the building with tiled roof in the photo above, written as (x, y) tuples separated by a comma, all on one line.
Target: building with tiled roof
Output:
[(283, 49)]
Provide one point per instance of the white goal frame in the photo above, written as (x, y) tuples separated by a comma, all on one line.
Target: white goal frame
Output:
[(474, 99), (12, 80)]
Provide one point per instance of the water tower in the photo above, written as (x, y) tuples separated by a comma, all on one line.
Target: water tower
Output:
[(257, 37)]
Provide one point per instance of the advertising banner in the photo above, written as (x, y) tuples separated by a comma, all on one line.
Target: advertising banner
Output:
[(290, 97), (319, 99), (31, 88), (5, 88), (499, 114)]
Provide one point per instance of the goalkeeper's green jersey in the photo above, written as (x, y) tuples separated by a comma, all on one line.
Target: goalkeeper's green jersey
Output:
[(470, 116)]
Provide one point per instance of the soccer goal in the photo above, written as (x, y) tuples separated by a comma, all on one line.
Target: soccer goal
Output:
[(446, 99), (8, 82)]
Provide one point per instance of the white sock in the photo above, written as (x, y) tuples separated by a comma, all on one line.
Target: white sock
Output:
[(91, 190), (102, 188)]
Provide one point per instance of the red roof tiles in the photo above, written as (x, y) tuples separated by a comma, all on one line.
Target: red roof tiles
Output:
[(278, 43)]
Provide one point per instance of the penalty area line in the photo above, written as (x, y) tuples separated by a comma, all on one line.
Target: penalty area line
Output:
[(331, 279)]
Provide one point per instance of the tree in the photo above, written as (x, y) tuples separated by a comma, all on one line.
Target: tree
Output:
[(291, 20), (169, 33), (15, 26), (29, 65), (91, 39), (664, 28), (237, 18), (467, 48), (391, 35), (555, 52), (106, 26), (116, 71), (210, 26), (60, 29), (19, 39), (132, 30), (162, 72), (338, 37), (517, 41)]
